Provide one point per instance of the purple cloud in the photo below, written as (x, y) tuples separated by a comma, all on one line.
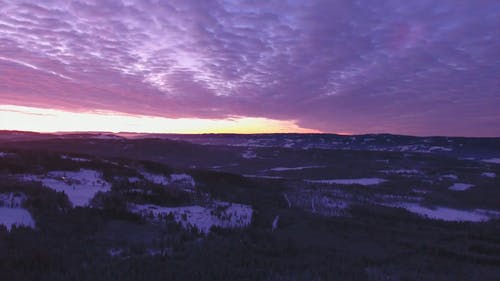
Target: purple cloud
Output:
[(413, 67)]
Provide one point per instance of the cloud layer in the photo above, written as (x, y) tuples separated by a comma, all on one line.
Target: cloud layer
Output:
[(414, 67)]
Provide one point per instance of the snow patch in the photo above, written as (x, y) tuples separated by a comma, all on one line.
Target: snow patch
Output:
[(249, 154), (445, 214), (115, 252), (155, 252), (222, 214), (449, 176), (334, 203), (279, 169), (179, 179), (111, 162), (262, 177), (287, 200), (439, 148), (460, 186), (492, 160), (155, 178), (183, 179), (363, 181), (420, 191), (6, 154), (418, 148), (134, 179), (15, 217), (275, 223), (401, 172), (80, 187), (76, 159), (489, 175)]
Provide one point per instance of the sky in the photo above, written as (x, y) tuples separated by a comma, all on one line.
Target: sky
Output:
[(418, 67)]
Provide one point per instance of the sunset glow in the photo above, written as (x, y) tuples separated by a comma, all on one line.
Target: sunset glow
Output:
[(50, 120)]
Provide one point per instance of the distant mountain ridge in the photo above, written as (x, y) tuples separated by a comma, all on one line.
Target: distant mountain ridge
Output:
[(457, 147)]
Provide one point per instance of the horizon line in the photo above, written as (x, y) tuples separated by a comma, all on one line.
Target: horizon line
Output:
[(229, 133)]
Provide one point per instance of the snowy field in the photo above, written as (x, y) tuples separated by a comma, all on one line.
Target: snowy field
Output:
[(447, 214), (222, 214), (15, 216), (11, 211), (331, 202), (80, 187)]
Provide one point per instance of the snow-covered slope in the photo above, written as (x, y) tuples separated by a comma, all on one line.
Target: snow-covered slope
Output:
[(80, 187)]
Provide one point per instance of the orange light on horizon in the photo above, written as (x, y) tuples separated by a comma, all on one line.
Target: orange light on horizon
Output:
[(22, 118)]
